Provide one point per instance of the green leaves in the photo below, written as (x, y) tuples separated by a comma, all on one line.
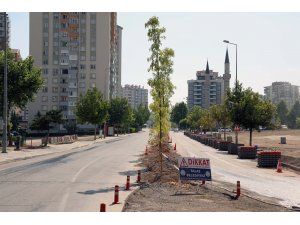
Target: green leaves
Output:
[(179, 112), (161, 66), (91, 108), (23, 80)]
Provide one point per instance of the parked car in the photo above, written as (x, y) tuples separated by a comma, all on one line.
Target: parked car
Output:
[(284, 127), (224, 129)]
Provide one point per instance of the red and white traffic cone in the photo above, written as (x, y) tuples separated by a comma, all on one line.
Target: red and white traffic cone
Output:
[(238, 189), (102, 207), (127, 183), (116, 199), (139, 176), (279, 166), (175, 146)]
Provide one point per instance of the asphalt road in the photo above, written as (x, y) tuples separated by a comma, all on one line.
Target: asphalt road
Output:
[(283, 186), (76, 180)]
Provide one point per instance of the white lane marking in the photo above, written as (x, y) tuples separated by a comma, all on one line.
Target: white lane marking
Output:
[(65, 197)]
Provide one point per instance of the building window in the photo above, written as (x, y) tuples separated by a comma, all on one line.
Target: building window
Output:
[(54, 98), (54, 89), (44, 99), (44, 89), (55, 72), (54, 81), (45, 62), (82, 84), (45, 80), (93, 76), (63, 90), (93, 58), (82, 76), (45, 71), (54, 107), (63, 98), (93, 66), (44, 107), (92, 84), (82, 66), (82, 57)]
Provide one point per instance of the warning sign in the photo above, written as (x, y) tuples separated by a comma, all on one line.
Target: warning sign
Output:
[(194, 169), (194, 162)]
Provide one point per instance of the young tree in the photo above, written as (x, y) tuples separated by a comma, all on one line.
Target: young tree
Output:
[(220, 113), (282, 112), (91, 108), (206, 121), (161, 66), (43, 122), (298, 123), (179, 112), (256, 112), (194, 116), (118, 111)]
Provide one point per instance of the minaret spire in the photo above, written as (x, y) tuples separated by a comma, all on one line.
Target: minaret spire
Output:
[(207, 68), (227, 57)]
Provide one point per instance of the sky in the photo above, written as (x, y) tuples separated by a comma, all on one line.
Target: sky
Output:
[(268, 46)]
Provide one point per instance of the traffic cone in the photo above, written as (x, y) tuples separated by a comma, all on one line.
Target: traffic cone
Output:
[(175, 146), (279, 166)]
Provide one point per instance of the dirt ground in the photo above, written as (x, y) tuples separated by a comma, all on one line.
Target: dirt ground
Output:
[(165, 193), (268, 139)]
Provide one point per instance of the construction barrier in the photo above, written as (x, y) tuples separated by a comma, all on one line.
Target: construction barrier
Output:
[(61, 140), (247, 152), (268, 158), (233, 148), (139, 177), (238, 189)]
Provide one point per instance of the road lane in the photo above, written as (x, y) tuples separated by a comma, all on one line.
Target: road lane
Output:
[(225, 167), (78, 180)]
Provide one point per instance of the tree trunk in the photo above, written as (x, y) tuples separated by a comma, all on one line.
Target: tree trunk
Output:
[(250, 141), (95, 133)]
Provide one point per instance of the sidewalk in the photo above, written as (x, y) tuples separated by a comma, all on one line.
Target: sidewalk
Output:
[(26, 153)]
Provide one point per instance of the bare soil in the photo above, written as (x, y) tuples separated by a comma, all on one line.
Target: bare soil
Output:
[(270, 140), (162, 192)]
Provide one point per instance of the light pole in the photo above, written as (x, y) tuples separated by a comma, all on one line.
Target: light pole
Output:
[(4, 137), (236, 80)]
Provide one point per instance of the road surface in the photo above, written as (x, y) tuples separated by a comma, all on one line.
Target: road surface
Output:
[(225, 167), (76, 180)]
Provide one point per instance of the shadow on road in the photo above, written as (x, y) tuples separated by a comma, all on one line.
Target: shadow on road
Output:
[(101, 190)]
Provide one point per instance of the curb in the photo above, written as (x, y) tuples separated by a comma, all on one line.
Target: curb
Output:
[(126, 199)]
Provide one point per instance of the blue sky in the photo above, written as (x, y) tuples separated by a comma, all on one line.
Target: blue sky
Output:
[(268, 46)]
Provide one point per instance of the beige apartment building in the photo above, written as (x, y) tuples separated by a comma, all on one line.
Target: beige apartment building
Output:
[(76, 51), (135, 95)]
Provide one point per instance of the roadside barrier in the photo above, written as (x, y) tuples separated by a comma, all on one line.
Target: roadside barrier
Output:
[(139, 176), (279, 166), (102, 207), (203, 182), (175, 146), (238, 189), (146, 151), (127, 183), (116, 198)]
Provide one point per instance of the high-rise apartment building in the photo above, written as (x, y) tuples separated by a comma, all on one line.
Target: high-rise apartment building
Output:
[(209, 88), (2, 30), (282, 91), (119, 60), (136, 95), (76, 51)]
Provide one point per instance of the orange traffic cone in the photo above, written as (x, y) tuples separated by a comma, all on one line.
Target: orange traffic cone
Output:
[(279, 166), (175, 146)]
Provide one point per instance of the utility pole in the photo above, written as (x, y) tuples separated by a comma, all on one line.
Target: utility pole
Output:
[(4, 137)]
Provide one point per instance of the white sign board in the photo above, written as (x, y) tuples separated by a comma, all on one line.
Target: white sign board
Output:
[(194, 168)]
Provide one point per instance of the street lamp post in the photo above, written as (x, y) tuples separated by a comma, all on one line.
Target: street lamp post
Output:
[(236, 80), (4, 137)]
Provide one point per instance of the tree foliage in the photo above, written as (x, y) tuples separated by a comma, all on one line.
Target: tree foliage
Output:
[(282, 112), (249, 110), (23, 80), (118, 111), (91, 108), (293, 114), (179, 112), (194, 116), (221, 115)]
